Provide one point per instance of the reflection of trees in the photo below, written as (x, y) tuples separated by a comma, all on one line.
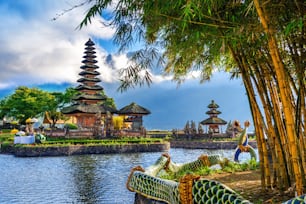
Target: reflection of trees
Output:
[(84, 170)]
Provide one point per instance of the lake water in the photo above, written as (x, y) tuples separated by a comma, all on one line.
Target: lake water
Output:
[(81, 179)]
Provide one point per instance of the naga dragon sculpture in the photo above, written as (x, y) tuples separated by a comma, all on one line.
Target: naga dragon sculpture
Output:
[(243, 145), (190, 188)]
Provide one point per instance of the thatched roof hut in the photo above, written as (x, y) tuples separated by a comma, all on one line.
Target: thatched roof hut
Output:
[(133, 109), (134, 113)]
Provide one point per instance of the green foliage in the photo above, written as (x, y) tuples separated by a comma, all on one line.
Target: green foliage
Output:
[(6, 130), (64, 141), (193, 35), (51, 141), (177, 176), (228, 166), (6, 137), (30, 102), (27, 103), (95, 10), (71, 126), (294, 26), (54, 116), (234, 166), (109, 102), (64, 98), (207, 36), (4, 146)]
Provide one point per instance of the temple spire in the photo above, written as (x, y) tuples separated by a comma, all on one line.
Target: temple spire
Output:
[(90, 92), (90, 100)]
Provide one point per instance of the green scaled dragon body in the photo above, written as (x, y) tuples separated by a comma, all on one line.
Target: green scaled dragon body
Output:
[(147, 183)]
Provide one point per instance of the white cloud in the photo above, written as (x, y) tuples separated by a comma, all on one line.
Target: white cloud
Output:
[(110, 74), (36, 49)]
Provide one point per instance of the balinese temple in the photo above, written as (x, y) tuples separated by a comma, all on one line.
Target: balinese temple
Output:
[(133, 114), (214, 123), (88, 107)]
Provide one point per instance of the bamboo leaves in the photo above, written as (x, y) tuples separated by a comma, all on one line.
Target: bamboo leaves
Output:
[(262, 42)]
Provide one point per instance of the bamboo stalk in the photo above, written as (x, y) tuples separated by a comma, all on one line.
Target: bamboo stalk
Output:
[(252, 103), (258, 81), (285, 96), (281, 138)]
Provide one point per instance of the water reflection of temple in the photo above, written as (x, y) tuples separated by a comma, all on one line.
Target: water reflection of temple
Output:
[(89, 107)]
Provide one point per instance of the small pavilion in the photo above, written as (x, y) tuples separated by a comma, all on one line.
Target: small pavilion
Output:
[(214, 123), (134, 114)]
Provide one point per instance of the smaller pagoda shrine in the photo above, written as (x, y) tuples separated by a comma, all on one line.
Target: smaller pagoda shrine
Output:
[(214, 123), (89, 106), (134, 113)]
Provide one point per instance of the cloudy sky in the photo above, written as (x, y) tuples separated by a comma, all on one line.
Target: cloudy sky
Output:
[(38, 51)]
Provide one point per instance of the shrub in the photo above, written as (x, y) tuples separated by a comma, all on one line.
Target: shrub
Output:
[(5, 146), (6, 130), (6, 137), (71, 126), (234, 167), (72, 141)]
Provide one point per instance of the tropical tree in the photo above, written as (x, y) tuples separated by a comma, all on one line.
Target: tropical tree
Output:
[(193, 128), (54, 116), (64, 98), (109, 102), (261, 42), (26, 103), (61, 99), (187, 128), (3, 108)]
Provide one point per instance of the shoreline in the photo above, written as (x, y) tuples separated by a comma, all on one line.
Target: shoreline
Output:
[(189, 144), (39, 151)]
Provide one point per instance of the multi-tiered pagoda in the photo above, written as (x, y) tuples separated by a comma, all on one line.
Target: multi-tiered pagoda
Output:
[(89, 104), (213, 122)]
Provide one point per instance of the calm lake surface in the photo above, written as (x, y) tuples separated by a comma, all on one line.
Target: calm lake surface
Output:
[(88, 179)]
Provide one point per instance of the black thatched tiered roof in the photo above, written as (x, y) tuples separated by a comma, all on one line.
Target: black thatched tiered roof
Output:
[(90, 94), (213, 112), (83, 96), (213, 105), (133, 109), (83, 80), (217, 121), (213, 115), (88, 108), (92, 66), (83, 73)]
